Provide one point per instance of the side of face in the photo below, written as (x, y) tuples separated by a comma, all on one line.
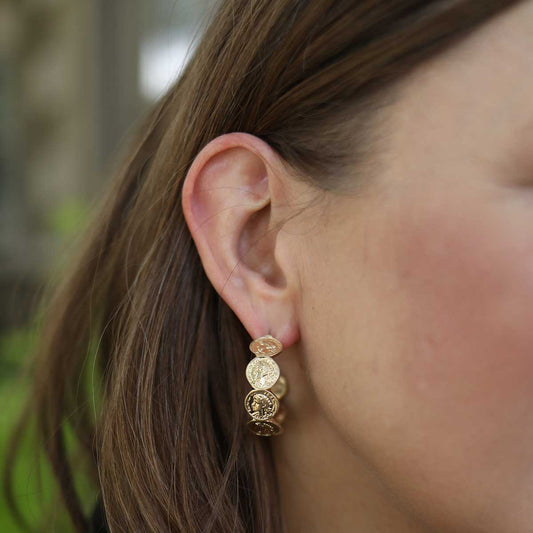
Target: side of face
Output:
[(425, 310)]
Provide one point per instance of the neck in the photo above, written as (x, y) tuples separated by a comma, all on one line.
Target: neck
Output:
[(324, 485)]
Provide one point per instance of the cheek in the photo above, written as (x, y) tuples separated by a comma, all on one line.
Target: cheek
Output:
[(468, 286), (463, 372), (427, 324)]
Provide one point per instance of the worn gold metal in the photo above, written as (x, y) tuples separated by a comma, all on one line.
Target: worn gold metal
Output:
[(281, 414), (265, 428), (262, 403), (266, 346), (280, 387), (262, 372)]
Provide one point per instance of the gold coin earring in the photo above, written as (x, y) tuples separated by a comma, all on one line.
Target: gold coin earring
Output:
[(262, 403)]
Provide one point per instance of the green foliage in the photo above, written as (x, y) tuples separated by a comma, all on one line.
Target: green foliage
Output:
[(35, 489), (32, 477), (15, 346), (68, 218)]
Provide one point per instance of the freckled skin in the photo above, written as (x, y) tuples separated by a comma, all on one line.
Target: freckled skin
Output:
[(420, 342)]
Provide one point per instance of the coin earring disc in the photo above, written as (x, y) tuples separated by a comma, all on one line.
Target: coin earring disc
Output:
[(262, 403)]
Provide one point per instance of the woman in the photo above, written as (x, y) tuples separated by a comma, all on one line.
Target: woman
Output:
[(354, 180)]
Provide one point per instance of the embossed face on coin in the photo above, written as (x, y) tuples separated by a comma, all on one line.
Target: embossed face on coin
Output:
[(265, 428), (262, 372), (266, 346), (261, 404)]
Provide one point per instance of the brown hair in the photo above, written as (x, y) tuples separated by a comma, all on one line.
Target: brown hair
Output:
[(169, 449)]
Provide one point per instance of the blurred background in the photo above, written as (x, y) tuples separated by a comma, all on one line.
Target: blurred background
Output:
[(75, 76)]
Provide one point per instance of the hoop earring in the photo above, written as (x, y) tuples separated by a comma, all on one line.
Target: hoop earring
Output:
[(262, 403)]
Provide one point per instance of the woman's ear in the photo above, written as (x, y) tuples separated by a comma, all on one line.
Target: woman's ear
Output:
[(233, 198)]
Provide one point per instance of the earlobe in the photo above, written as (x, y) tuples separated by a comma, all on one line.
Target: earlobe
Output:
[(226, 202)]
